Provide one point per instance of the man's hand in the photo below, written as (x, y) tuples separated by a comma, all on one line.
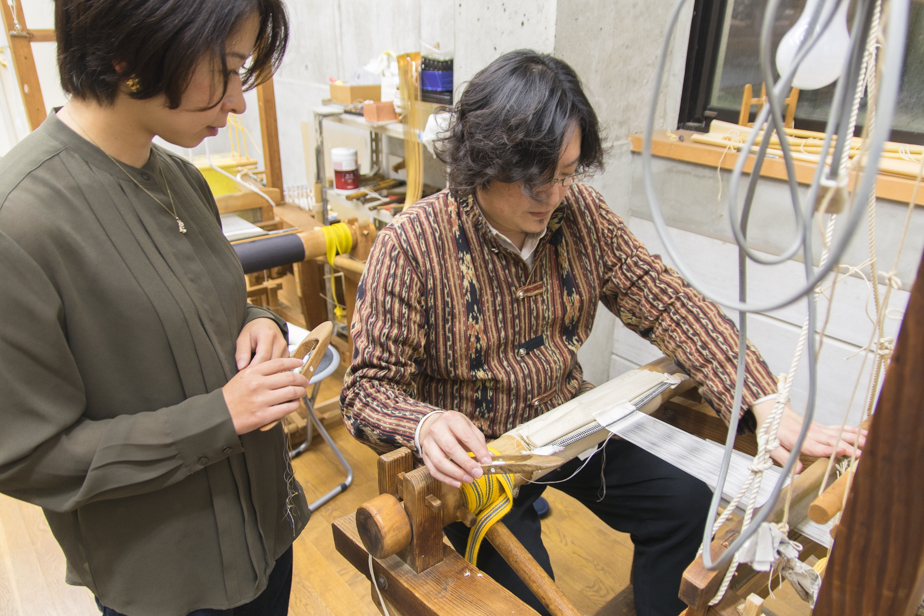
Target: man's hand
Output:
[(445, 440), (261, 340), (820, 440), (263, 393)]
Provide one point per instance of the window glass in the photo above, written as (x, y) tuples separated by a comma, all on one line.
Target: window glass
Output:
[(738, 64)]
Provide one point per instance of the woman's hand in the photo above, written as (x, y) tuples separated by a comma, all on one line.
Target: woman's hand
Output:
[(445, 440), (264, 392), (261, 340), (820, 440)]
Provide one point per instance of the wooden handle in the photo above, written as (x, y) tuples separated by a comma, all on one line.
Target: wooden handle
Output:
[(532, 574), (830, 502), (316, 341), (383, 526)]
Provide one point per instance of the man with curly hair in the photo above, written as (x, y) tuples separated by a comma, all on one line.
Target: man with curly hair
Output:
[(476, 300)]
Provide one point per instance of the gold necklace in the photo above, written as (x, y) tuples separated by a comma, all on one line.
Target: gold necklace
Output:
[(179, 223)]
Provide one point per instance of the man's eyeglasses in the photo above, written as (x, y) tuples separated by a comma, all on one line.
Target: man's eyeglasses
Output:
[(571, 180)]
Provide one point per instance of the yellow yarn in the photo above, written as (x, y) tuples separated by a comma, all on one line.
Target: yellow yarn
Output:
[(339, 241), (489, 498)]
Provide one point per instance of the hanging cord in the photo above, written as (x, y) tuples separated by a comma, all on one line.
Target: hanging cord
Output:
[(767, 436), (734, 143), (888, 93), (883, 347), (17, 27)]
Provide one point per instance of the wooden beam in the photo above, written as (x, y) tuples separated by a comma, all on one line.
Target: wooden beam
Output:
[(887, 186), (530, 571), (43, 36), (269, 129), (249, 200), (877, 563), (451, 587), (24, 64)]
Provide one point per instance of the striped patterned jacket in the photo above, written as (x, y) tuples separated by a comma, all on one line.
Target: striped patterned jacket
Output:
[(448, 318)]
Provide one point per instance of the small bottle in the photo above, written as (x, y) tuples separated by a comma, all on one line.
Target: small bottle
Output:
[(346, 169)]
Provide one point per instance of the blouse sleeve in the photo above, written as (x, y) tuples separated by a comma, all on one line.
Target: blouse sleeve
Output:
[(50, 453)]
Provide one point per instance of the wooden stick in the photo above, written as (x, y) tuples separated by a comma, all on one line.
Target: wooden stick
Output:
[(830, 503), (532, 574), (24, 62)]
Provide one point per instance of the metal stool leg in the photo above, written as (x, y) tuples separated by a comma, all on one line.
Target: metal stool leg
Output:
[(328, 366), (309, 404), (346, 465)]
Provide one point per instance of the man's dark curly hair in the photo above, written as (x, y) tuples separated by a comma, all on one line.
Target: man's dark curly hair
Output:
[(511, 122), (160, 43)]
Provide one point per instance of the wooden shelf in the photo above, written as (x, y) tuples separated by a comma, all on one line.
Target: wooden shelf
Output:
[(887, 186), (334, 114)]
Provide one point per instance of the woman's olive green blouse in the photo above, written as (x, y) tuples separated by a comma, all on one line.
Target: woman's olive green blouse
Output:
[(117, 333)]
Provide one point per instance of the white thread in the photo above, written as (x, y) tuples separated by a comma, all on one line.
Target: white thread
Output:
[(376, 585)]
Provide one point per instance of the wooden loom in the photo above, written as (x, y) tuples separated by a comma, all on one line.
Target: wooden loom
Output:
[(876, 566)]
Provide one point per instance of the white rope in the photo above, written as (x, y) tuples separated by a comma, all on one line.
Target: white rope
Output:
[(16, 25), (735, 141)]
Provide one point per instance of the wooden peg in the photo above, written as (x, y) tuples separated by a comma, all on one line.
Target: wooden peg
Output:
[(383, 526), (829, 504), (753, 606)]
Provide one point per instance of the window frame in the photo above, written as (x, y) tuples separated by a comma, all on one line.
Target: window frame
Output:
[(699, 77)]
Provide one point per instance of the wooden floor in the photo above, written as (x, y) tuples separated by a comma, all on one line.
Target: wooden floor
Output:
[(591, 561)]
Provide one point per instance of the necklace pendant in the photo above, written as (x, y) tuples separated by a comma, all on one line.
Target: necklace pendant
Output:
[(180, 225)]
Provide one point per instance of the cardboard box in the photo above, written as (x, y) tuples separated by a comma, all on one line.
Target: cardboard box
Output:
[(347, 94), (376, 112)]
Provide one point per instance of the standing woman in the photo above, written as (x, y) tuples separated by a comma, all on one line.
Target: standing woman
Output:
[(135, 376)]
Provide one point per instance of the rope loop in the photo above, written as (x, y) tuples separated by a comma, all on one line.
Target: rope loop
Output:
[(760, 467), (885, 347)]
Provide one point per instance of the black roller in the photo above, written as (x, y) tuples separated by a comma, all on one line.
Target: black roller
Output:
[(270, 252)]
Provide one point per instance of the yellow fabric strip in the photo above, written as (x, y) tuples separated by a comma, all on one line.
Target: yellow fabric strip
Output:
[(339, 241), (489, 498)]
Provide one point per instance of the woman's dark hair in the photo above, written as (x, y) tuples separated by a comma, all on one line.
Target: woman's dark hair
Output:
[(511, 122), (159, 42)]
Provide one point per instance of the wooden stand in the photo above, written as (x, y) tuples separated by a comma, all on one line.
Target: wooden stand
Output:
[(21, 39), (748, 101)]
